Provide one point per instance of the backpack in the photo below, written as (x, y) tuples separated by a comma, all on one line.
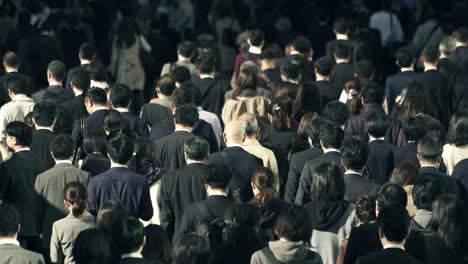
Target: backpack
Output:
[(213, 229)]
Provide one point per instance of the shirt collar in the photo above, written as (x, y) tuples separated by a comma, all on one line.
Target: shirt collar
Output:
[(393, 245), (255, 50), (5, 241), (331, 150), (205, 76), (406, 69), (181, 129), (116, 165), (20, 97), (230, 145), (23, 149), (218, 193), (102, 85), (295, 52), (63, 162), (375, 139), (121, 109), (430, 68), (132, 255), (44, 128), (353, 172), (100, 108)]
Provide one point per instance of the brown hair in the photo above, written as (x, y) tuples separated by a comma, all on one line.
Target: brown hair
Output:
[(263, 179), (404, 174), (305, 121), (354, 104), (75, 194)]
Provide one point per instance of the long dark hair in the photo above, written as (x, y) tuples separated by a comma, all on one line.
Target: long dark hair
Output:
[(157, 246), (76, 194), (307, 100), (458, 129), (305, 121), (414, 102), (247, 80), (279, 116), (264, 180), (126, 33), (353, 88)]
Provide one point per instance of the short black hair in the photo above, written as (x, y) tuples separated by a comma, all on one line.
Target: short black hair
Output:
[(97, 96), (337, 112), (425, 192), (342, 50), (341, 26), (291, 71), (394, 223), (430, 54), (21, 131), (354, 153), (181, 74), (390, 195), (301, 44), (328, 183), (133, 235), (186, 48), (256, 37), (430, 149), (91, 246), (324, 66), (196, 148), (364, 69), (461, 34), (166, 85), (268, 54), (294, 224), (218, 175), (98, 71), (181, 96), (206, 64), (365, 209), (17, 84), (9, 220), (404, 57), (331, 135), (414, 128), (120, 149), (62, 147), (81, 79), (120, 95), (57, 69), (186, 115), (313, 130), (372, 94), (88, 51), (44, 114), (10, 59), (377, 124)]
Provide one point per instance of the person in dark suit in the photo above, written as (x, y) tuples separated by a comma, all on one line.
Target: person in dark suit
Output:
[(184, 186), (337, 112), (331, 137), (298, 160), (10, 250), (343, 70), (394, 223), (120, 96), (87, 55), (121, 184), (159, 109), (55, 93), (460, 174), (241, 163), (43, 119), (270, 73), (328, 91), (300, 54), (11, 64), (380, 160), (95, 148), (341, 29), (96, 105), (217, 179), (365, 239), (80, 81), (354, 153), (18, 175), (414, 129), (133, 240), (396, 83)]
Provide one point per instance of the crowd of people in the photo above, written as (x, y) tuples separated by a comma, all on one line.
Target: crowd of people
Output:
[(223, 131)]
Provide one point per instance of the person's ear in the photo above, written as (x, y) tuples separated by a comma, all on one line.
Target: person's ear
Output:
[(185, 156), (381, 234), (253, 186), (419, 157), (224, 138)]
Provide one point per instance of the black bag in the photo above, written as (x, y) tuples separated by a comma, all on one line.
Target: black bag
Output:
[(213, 229)]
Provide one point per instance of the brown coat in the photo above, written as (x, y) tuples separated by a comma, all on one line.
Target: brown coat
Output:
[(234, 108)]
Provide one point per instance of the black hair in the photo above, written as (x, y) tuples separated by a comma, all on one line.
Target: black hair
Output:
[(44, 114), (88, 51), (57, 69), (425, 192), (328, 183), (313, 130), (331, 135), (120, 149), (76, 194), (391, 195), (181, 74), (337, 112), (113, 123), (81, 79), (404, 174), (62, 147), (461, 34), (91, 246), (291, 71), (9, 220), (354, 153), (196, 148), (430, 149), (302, 44), (98, 71), (157, 245), (279, 116), (186, 48), (120, 95), (324, 66), (256, 37), (186, 115), (166, 85), (21, 131), (264, 180), (133, 235), (404, 57), (377, 124), (268, 54), (126, 33), (414, 128), (192, 249), (247, 80), (218, 176), (394, 223), (97, 96), (206, 64), (17, 84), (11, 60), (458, 129), (372, 94), (294, 224), (95, 141), (364, 69), (342, 50), (341, 26), (181, 96), (365, 209), (430, 54)]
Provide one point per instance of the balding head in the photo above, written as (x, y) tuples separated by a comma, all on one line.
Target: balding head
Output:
[(234, 132), (251, 124)]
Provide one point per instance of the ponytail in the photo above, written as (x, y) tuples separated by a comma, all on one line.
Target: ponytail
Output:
[(76, 194), (263, 180)]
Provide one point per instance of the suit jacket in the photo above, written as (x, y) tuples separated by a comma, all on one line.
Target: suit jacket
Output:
[(95, 164), (50, 185), (438, 95), (460, 174), (168, 152), (134, 125), (205, 130), (179, 189), (363, 240), (68, 88), (396, 83), (448, 184), (380, 161), (92, 123), (328, 91), (396, 136), (406, 153), (17, 178), (212, 91), (135, 261), (390, 256), (14, 254), (296, 166), (341, 73), (54, 94), (357, 186), (242, 165), (121, 184), (303, 192), (40, 145), (356, 125), (75, 107), (153, 113)]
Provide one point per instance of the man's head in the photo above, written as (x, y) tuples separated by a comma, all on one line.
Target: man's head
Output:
[(291, 72), (186, 116), (390, 195), (11, 61), (9, 221), (377, 125), (461, 36), (62, 147), (372, 94), (18, 135), (234, 132), (302, 45), (342, 51), (331, 136), (87, 52), (196, 149), (256, 38), (404, 57), (430, 56), (268, 59), (425, 192), (324, 66), (120, 149), (394, 224), (364, 70), (80, 80), (313, 131), (341, 26), (181, 96), (56, 71), (165, 86), (120, 95), (354, 153), (414, 128), (44, 115), (95, 97), (206, 65), (337, 112), (217, 177), (133, 236), (180, 75), (447, 46), (185, 49), (430, 151), (251, 124), (16, 85)]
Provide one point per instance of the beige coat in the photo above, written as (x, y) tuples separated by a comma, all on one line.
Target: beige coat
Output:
[(234, 108)]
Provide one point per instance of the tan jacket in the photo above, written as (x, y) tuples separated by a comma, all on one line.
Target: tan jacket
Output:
[(234, 108), (15, 110)]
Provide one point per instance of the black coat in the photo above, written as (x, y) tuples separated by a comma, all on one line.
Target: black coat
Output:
[(168, 152), (356, 125), (328, 91), (95, 164), (438, 95), (40, 145), (212, 91), (396, 83), (357, 186), (460, 174), (390, 256), (406, 153), (341, 73), (54, 94), (431, 249), (153, 114), (363, 240), (380, 161), (134, 125), (92, 123), (75, 107)]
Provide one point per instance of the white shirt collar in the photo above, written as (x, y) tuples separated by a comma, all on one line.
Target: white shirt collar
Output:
[(52, 83), (116, 165), (102, 85), (230, 145), (205, 76), (216, 192), (44, 128), (428, 68), (22, 149), (255, 50), (84, 62), (371, 138), (5, 241), (132, 255), (331, 150), (294, 52), (353, 172), (181, 129), (121, 109), (393, 245), (406, 69), (63, 162), (100, 108), (340, 36)]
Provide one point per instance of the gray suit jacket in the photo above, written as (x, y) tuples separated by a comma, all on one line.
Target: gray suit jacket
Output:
[(14, 254)]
